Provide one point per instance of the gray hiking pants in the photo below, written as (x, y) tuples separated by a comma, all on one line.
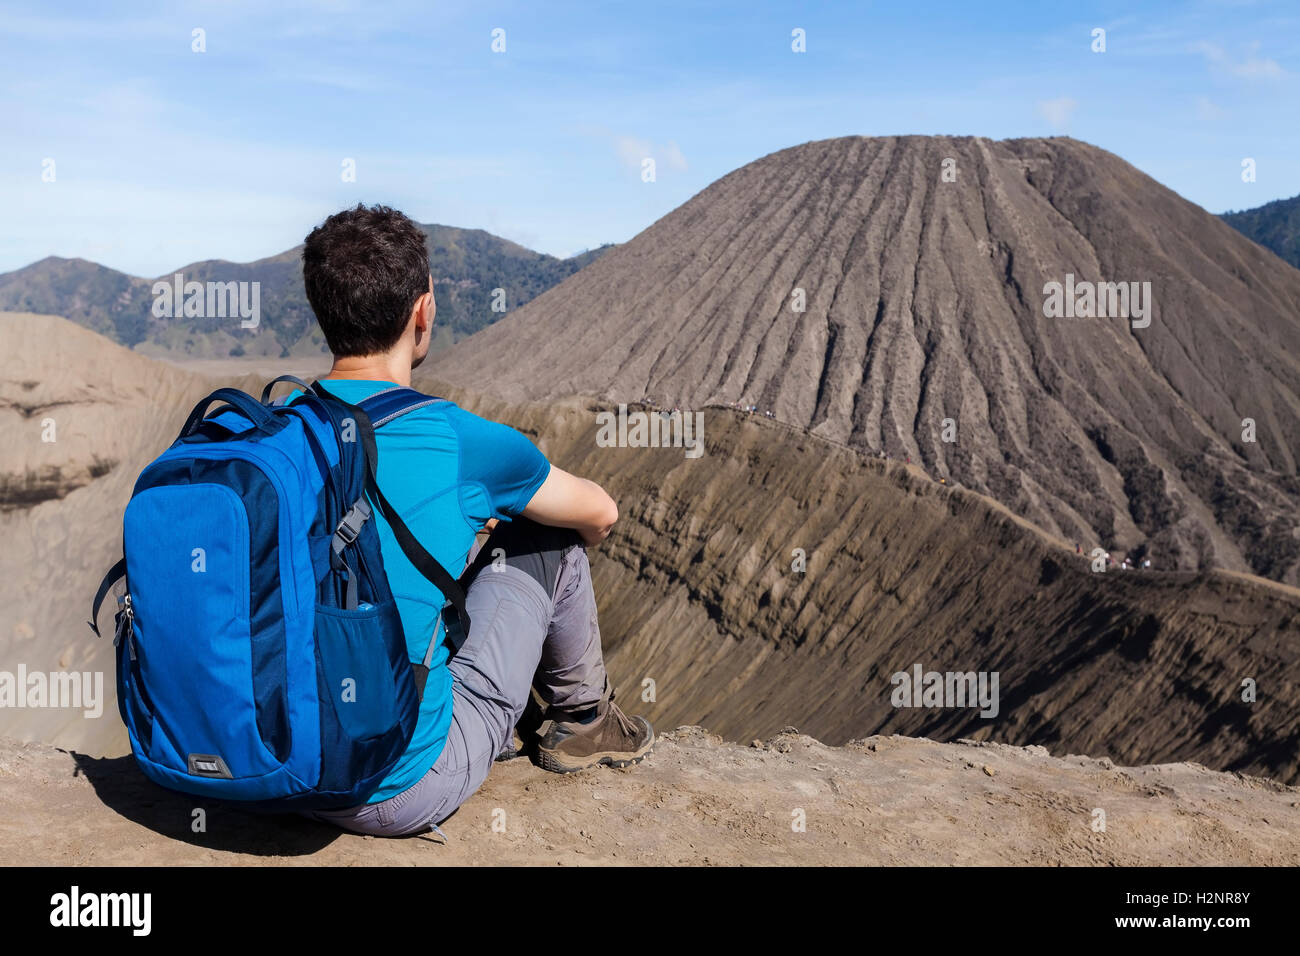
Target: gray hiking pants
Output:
[(532, 624)]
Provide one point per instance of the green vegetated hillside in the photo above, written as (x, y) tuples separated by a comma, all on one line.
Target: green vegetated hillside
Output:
[(467, 265), (1275, 226)]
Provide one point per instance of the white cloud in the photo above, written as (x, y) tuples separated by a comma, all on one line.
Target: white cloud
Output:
[(132, 100), (673, 156), (1207, 110), (632, 151), (1057, 112), (343, 80), (1253, 67)]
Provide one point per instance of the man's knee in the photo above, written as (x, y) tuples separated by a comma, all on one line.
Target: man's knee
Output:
[(536, 549)]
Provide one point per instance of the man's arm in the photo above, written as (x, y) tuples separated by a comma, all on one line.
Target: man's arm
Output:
[(567, 501)]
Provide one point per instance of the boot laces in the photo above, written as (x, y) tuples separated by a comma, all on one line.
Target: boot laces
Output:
[(626, 725)]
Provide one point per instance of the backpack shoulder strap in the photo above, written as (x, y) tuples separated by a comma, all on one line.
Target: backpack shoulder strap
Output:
[(115, 573), (392, 403), (383, 406)]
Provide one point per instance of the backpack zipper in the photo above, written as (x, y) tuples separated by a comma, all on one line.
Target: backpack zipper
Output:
[(126, 623)]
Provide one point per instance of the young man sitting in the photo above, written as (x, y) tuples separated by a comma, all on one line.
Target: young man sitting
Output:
[(450, 473)]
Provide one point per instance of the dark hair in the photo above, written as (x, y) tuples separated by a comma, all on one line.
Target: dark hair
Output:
[(364, 269)]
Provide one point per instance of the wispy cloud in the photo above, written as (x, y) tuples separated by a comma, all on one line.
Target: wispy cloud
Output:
[(133, 100), (1251, 67), (1057, 112), (352, 82), (633, 151), (1208, 111)]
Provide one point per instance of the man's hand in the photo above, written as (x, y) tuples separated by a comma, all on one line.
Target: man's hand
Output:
[(567, 501)]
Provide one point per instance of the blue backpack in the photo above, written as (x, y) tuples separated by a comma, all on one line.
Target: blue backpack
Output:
[(260, 656)]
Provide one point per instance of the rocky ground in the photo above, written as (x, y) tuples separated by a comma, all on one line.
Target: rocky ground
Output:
[(698, 800)]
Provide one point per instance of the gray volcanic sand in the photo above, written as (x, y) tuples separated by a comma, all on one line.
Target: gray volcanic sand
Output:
[(924, 302)]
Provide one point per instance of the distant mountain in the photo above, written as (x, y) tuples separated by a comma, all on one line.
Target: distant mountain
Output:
[(895, 294), (467, 265), (1275, 226)]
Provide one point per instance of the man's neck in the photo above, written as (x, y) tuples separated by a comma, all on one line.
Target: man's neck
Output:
[(373, 368)]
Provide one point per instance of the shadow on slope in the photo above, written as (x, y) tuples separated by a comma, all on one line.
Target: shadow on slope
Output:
[(701, 609)]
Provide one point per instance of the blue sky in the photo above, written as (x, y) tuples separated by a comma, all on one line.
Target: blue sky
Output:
[(163, 156)]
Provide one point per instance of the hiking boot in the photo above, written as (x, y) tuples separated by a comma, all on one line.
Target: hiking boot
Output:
[(612, 738), (514, 747), (525, 729)]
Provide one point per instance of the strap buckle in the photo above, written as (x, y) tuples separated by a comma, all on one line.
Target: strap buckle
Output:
[(350, 524)]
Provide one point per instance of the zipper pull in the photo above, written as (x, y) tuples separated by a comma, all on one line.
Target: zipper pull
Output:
[(125, 623)]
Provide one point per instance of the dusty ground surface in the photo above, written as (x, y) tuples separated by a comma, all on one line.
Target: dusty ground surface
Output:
[(697, 801)]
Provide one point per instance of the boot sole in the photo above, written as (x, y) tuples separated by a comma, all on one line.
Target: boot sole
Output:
[(550, 760)]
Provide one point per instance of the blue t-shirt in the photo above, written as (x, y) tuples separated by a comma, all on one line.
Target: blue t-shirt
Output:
[(446, 471)]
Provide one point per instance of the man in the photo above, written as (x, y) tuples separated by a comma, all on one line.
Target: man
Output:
[(450, 474)]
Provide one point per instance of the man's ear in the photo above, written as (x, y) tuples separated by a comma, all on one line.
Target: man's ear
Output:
[(430, 305), (424, 312)]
